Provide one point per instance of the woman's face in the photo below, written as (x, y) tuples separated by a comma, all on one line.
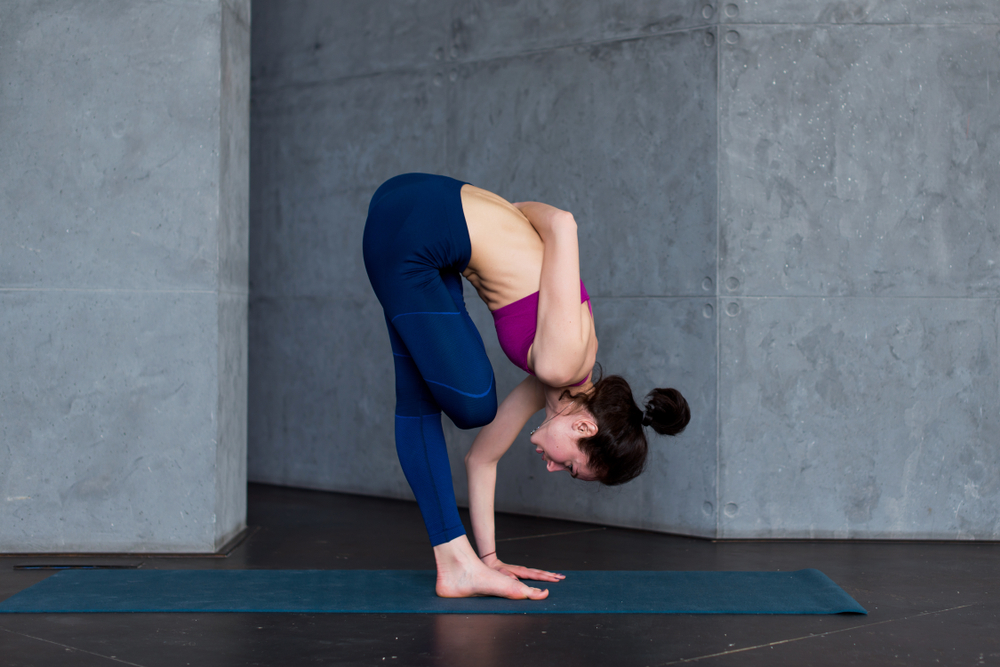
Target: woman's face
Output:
[(557, 442)]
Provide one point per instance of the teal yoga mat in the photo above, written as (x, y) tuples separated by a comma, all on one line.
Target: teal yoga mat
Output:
[(412, 592)]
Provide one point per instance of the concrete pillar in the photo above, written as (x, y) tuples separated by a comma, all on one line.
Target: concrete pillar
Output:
[(123, 275)]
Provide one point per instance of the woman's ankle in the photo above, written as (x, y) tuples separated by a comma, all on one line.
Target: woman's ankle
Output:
[(456, 553)]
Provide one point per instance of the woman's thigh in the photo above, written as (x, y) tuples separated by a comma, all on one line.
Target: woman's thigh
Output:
[(435, 334)]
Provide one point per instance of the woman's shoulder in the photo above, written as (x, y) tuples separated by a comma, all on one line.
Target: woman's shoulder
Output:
[(479, 202), (495, 220)]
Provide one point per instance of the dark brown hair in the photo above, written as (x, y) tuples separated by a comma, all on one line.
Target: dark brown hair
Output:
[(617, 452)]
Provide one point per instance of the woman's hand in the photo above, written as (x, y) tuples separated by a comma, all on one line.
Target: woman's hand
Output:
[(520, 572), (547, 220)]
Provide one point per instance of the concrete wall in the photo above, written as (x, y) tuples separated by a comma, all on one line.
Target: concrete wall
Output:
[(784, 213), (124, 130), (859, 268)]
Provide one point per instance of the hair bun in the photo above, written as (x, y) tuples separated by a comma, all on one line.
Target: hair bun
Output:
[(666, 411)]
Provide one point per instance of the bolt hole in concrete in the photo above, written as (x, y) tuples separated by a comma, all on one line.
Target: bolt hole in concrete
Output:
[(732, 37), (732, 284), (707, 11), (709, 38), (708, 311), (733, 309), (707, 508), (732, 11), (706, 284), (732, 509)]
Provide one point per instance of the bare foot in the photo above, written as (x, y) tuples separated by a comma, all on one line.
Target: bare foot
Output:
[(460, 574)]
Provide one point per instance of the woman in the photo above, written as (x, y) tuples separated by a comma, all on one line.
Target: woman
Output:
[(423, 234)]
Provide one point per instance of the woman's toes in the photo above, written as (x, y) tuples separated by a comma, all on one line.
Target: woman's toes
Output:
[(536, 594)]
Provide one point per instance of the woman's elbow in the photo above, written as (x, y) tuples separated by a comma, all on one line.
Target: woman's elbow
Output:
[(472, 460), (555, 375), (475, 463)]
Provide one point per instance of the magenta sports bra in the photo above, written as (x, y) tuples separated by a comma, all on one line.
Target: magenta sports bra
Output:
[(516, 324)]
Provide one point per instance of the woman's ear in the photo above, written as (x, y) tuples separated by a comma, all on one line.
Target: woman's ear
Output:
[(586, 427)]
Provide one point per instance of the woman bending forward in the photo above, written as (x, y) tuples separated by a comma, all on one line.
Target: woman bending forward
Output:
[(424, 233)]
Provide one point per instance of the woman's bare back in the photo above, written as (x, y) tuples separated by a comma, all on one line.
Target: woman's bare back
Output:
[(506, 262)]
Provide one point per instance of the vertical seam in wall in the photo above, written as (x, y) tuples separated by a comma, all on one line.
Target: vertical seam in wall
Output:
[(718, 281)]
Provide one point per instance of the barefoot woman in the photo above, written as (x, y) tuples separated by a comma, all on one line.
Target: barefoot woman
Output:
[(423, 233)]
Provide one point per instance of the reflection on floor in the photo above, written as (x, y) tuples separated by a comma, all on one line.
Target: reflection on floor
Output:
[(928, 603)]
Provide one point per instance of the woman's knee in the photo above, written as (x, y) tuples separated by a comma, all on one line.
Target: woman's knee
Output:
[(474, 413)]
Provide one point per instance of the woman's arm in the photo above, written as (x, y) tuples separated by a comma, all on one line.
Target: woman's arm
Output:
[(559, 354), (490, 445)]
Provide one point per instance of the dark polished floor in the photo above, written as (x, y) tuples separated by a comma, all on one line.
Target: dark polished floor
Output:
[(928, 603)]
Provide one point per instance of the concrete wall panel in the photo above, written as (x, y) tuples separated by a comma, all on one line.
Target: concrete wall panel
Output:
[(481, 29), (621, 134), (95, 455), (312, 245), (103, 142), (298, 41), (323, 139), (859, 418), (321, 411), (860, 161)]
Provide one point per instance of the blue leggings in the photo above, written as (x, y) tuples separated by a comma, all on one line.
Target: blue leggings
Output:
[(416, 245)]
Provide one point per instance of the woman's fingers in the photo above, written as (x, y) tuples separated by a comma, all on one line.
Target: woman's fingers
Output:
[(536, 575), (520, 572)]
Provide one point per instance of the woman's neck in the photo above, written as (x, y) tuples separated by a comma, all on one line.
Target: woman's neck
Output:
[(556, 403)]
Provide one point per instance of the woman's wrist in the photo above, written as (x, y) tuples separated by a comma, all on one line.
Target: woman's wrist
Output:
[(561, 225)]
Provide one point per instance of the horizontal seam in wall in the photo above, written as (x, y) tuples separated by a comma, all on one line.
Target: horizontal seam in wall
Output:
[(444, 64), (417, 69), (593, 42), (706, 26)]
